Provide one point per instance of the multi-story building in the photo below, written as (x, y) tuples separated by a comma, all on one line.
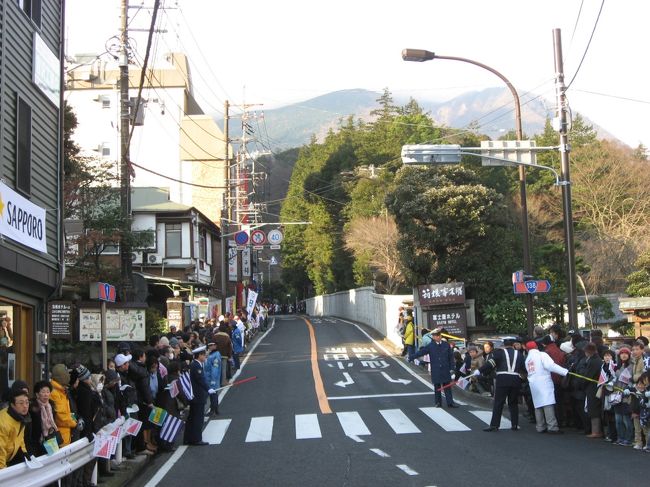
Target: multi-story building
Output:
[(31, 250), (174, 143)]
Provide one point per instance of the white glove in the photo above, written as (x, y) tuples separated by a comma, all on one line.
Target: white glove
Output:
[(453, 376), (476, 372), (626, 392), (211, 391)]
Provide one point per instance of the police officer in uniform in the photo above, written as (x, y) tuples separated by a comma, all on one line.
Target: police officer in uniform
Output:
[(509, 365), (194, 426)]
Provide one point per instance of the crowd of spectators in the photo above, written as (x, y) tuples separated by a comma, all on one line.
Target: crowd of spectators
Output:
[(77, 403)]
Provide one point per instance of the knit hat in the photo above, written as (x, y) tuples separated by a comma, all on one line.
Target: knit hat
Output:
[(531, 345), (163, 342), (111, 376), (173, 342), (624, 350), (60, 374), (82, 373)]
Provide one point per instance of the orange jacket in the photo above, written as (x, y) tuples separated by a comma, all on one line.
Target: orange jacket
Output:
[(62, 414)]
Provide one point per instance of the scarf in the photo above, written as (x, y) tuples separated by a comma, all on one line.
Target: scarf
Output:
[(47, 418)]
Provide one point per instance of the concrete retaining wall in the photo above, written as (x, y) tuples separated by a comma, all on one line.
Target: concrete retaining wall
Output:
[(379, 311)]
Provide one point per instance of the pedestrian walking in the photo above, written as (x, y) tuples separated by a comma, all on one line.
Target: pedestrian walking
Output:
[(441, 361), (509, 366)]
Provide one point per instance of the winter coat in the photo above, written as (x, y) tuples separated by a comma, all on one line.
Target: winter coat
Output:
[(558, 357), (35, 442), (237, 341), (12, 437), (140, 378), (212, 368), (409, 333), (441, 360), (224, 344), (63, 413), (539, 366), (638, 367), (199, 385), (91, 409), (589, 367)]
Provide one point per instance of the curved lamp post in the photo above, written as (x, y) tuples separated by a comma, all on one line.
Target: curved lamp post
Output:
[(420, 55)]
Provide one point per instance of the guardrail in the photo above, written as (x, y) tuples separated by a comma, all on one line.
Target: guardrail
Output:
[(56, 466)]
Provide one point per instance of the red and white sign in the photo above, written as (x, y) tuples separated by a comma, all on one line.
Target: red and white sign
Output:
[(258, 237)]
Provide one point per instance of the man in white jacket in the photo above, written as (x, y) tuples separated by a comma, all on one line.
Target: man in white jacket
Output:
[(539, 366)]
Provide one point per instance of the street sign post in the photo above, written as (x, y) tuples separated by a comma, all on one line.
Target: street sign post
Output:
[(258, 237), (241, 238), (532, 287), (104, 292)]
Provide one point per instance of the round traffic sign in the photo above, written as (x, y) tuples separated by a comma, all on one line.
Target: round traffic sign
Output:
[(275, 237), (258, 237), (241, 238)]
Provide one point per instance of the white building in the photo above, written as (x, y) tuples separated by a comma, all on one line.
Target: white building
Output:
[(174, 141)]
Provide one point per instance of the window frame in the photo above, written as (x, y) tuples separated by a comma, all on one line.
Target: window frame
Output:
[(168, 231), (24, 149)]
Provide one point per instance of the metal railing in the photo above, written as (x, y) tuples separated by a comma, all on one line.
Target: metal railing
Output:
[(56, 466)]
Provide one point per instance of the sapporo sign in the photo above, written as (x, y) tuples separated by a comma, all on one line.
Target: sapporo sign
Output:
[(442, 294), (21, 220)]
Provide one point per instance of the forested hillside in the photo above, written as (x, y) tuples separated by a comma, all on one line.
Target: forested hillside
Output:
[(377, 222)]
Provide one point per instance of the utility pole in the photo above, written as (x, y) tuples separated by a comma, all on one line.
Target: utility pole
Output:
[(125, 169), (225, 213), (565, 148)]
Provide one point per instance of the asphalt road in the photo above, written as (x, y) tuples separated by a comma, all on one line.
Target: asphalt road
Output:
[(371, 423)]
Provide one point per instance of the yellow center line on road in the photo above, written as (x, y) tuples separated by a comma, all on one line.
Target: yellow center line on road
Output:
[(318, 380)]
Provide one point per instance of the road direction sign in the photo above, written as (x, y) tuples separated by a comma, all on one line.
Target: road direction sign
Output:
[(258, 237), (105, 292), (241, 238), (275, 237), (532, 287)]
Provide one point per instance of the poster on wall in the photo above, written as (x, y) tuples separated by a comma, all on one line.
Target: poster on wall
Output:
[(122, 324), (60, 315)]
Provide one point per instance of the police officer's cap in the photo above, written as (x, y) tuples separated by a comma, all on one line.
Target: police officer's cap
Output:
[(509, 341)]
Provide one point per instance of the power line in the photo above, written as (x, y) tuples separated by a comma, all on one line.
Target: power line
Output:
[(618, 97), (593, 31), (176, 180)]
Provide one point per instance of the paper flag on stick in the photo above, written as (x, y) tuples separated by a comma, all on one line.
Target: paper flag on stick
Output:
[(132, 426), (102, 447), (157, 416), (51, 446)]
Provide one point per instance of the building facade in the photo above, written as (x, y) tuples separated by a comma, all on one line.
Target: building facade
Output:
[(31, 250)]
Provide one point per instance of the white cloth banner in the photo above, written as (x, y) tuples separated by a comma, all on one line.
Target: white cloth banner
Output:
[(232, 264), (252, 299), (21, 220)]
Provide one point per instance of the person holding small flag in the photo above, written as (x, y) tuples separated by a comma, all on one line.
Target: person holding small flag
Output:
[(539, 366), (194, 426)]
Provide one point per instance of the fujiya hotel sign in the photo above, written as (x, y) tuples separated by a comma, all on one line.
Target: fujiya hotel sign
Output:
[(21, 220)]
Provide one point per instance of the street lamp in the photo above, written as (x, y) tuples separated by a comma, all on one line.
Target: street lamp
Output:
[(421, 55)]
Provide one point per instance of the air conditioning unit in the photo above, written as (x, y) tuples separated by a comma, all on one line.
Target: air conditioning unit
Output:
[(136, 257), (154, 258)]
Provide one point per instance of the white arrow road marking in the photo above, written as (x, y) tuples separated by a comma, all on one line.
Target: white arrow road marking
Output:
[(348, 380), (395, 381)]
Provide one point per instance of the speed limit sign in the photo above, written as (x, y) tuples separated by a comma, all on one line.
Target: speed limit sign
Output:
[(258, 237), (275, 237)]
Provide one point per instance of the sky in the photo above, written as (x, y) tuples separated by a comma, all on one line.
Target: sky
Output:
[(278, 52)]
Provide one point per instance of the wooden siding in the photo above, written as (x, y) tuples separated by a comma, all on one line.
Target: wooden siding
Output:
[(16, 80)]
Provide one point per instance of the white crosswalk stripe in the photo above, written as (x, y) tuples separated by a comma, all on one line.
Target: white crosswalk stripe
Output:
[(486, 416), (352, 424), (261, 429), (399, 422), (307, 426), (444, 419), (215, 431)]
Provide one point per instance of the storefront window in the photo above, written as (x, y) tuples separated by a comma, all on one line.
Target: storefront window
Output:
[(16, 344)]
